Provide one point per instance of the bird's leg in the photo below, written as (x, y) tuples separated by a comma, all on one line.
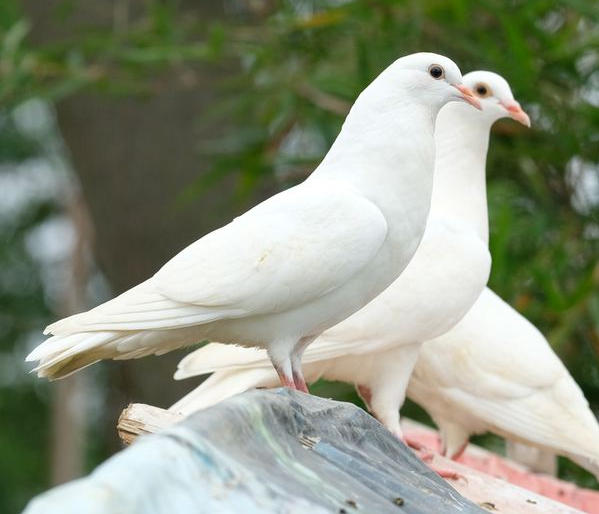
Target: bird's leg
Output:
[(385, 392), (385, 399), (460, 451), (282, 364), (365, 393), (300, 383), (454, 439), (296, 363), (287, 382), (427, 456)]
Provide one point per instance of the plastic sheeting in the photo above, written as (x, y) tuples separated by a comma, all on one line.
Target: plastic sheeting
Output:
[(275, 451)]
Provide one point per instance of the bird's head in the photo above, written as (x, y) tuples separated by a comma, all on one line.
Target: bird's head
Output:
[(434, 78), (495, 97)]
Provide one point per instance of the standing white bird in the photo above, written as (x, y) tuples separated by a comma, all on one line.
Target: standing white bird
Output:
[(377, 347), (299, 262), (495, 372)]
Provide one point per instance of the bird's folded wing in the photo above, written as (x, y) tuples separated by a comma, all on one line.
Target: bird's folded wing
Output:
[(518, 386), (293, 248), (555, 417)]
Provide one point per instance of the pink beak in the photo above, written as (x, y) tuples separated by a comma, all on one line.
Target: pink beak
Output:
[(468, 96), (515, 111)]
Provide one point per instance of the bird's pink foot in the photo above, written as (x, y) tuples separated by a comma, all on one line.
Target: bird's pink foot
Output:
[(427, 456), (423, 452), (286, 380), (300, 383), (448, 474), (414, 444)]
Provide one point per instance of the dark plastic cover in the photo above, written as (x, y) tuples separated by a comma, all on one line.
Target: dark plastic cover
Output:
[(265, 451)]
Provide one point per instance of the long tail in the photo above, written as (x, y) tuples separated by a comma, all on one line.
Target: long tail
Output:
[(536, 459), (62, 355), (222, 385), (139, 322), (590, 464), (215, 357), (544, 461)]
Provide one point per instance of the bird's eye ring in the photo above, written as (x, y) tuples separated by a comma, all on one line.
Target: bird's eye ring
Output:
[(436, 71), (482, 90)]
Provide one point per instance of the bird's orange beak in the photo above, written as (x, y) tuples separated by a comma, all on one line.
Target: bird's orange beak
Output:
[(515, 111), (468, 96)]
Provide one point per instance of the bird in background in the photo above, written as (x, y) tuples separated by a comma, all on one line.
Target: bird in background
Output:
[(376, 348), (495, 372), (299, 262)]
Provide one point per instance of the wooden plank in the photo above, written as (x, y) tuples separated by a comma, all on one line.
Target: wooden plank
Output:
[(138, 419), (498, 467)]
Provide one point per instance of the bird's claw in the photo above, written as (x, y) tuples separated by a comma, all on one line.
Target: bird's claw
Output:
[(448, 474), (414, 444)]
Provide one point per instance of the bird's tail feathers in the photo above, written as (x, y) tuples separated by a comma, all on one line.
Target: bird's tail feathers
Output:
[(222, 385), (216, 357), (588, 463), (64, 326), (61, 356)]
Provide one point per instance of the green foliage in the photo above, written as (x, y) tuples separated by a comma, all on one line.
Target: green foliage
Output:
[(293, 68), (24, 434), (311, 59), (24, 453)]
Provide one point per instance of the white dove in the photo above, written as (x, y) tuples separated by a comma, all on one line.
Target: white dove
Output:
[(299, 262), (494, 371), (377, 347)]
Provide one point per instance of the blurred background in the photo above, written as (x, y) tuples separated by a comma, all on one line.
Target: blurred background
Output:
[(129, 128)]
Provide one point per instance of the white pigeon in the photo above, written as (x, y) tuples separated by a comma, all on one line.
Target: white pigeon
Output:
[(494, 371), (299, 262), (377, 347)]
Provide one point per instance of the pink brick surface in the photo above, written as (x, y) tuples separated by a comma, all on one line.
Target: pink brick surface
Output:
[(476, 458)]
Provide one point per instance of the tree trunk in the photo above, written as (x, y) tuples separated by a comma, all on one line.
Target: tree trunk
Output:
[(134, 156)]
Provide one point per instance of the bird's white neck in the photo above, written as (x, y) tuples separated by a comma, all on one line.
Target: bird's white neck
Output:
[(388, 157), (462, 141)]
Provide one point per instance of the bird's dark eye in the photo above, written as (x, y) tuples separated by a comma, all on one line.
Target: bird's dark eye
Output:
[(482, 90), (436, 71)]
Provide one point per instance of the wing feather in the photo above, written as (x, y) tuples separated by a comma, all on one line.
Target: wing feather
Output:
[(499, 368), (293, 248), (303, 244)]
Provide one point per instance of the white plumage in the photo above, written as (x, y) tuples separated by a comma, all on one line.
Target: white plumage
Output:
[(377, 347), (299, 262), (494, 371)]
